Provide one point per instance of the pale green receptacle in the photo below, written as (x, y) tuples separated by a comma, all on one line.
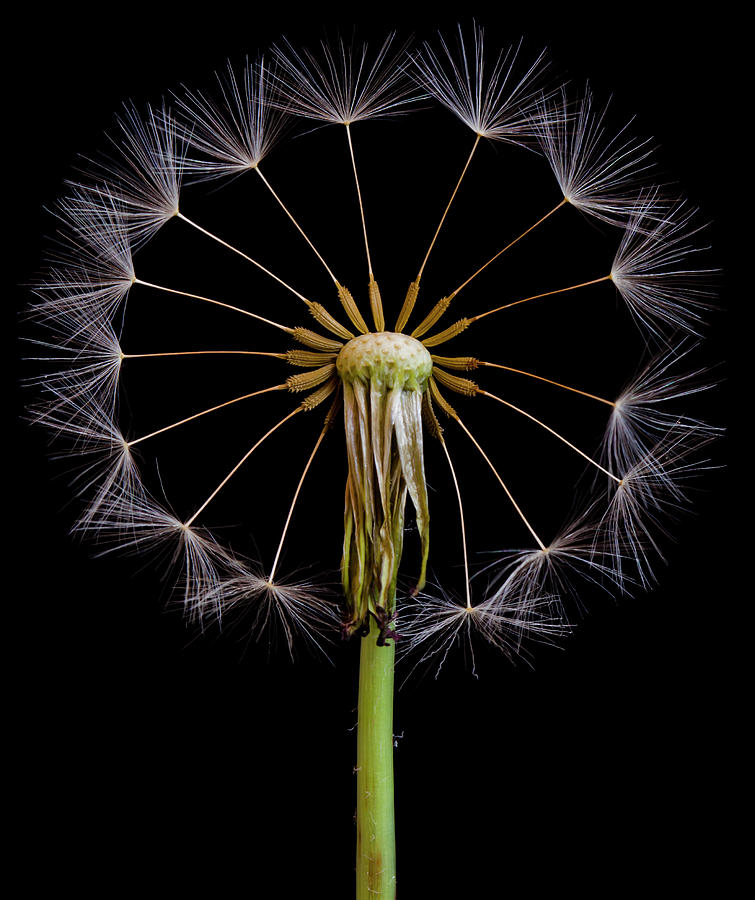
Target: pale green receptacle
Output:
[(386, 358)]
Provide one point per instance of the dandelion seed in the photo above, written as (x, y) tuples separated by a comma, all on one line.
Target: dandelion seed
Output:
[(92, 268), (344, 87), (551, 571), (106, 471), (431, 626), (130, 520)]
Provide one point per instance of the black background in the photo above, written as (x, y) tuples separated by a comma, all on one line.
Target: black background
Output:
[(151, 752)]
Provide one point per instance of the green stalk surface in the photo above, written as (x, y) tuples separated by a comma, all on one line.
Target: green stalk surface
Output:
[(376, 840)]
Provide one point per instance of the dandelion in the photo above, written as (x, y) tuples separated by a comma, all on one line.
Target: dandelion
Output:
[(376, 377)]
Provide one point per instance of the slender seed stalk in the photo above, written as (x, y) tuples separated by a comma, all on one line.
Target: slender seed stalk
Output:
[(244, 312), (359, 198), (503, 485), (296, 497), (243, 255), (509, 245), (204, 412), (448, 207), (461, 517), (572, 287), (376, 839), (204, 353), (552, 431), (296, 224), (240, 463), (547, 381)]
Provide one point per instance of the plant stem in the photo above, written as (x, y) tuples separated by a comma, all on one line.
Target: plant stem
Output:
[(376, 840)]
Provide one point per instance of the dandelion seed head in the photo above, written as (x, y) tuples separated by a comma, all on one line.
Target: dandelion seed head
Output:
[(386, 390)]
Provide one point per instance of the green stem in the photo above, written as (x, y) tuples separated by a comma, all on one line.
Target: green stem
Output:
[(376, 840)]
